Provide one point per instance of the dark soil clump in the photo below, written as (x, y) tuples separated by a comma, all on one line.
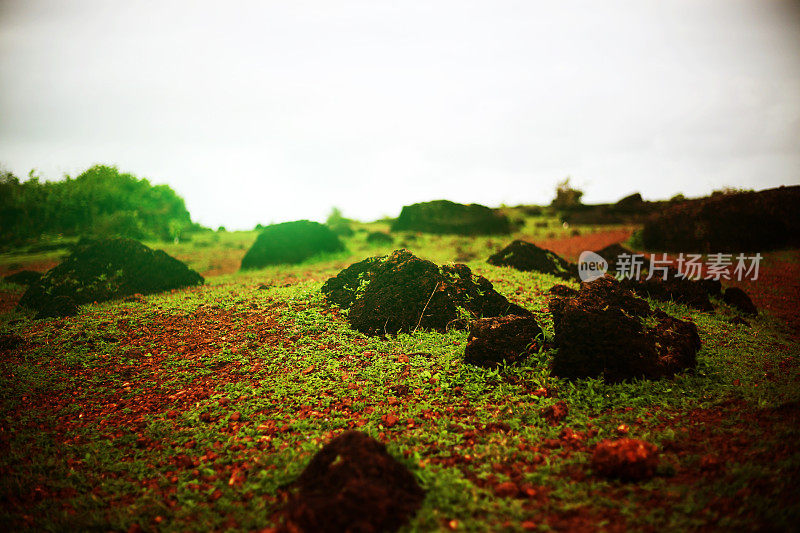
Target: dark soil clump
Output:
[(445, 217), (379, 237), (494, 340), (9, 342), (24, 277), (674, 288), (607, 331), (736, 297), (739, 222), (625, 459), (401, 292), (352, 484), (555, 413), (528, 257), (57, 307), (103, 270), (289, 243), (611, 254)]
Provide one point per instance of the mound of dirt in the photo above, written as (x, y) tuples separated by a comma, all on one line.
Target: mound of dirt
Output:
[(528, 257), (103, 270), (9, 341), (607, 331), (289, 243), (401, 292), (494, 340), (736, 297), (674, 288), (57, 307), (23, 277), (443, 216), (379, 237), (625, 459), (740, 222), (352, 484), (611, 254)]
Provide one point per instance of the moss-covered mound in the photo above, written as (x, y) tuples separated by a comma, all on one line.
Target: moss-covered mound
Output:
[(693, 293), (607, 331), (352, 484), (107, 269), (497, 340), (741, 222), (446, 217), (402, 292), (290, 242), (23, 277), (528, 257), (379, 238), (611, 254)]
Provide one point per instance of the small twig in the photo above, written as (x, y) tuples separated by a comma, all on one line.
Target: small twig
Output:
[(424, 308)]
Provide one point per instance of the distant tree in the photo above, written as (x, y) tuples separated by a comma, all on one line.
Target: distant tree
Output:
[(566, 196), (101, 201)]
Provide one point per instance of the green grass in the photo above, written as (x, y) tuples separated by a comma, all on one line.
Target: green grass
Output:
[(113, 418)]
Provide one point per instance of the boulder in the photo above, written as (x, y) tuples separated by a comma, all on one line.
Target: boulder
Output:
[(443, 216), (401, 292), (607, 331), (103, 270), (352, 484), (289, 243), (528, 257), (736, 297), (495, 340)]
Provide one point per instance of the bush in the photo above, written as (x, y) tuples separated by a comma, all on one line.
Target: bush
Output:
[(446, 217), (101, 201), (290, 242)]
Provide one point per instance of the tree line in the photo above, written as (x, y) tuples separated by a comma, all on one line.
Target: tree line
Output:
[(101, 201)]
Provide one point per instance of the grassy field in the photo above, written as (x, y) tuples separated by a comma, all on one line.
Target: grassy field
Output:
[(187, 411)]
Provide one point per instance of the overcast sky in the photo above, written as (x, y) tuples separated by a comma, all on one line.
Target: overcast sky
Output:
[(274, 111)]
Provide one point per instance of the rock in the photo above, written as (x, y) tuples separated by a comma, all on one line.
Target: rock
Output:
[(379, 237), (736, 297), (401, 292), (102, 270), (352, 484), (607, 331), (625, 459), (443, 216), (289, 243), (23, 277), (495, 340), (528, 257)]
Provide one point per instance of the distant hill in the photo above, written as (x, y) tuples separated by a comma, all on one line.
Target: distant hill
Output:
[(100, 202)]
